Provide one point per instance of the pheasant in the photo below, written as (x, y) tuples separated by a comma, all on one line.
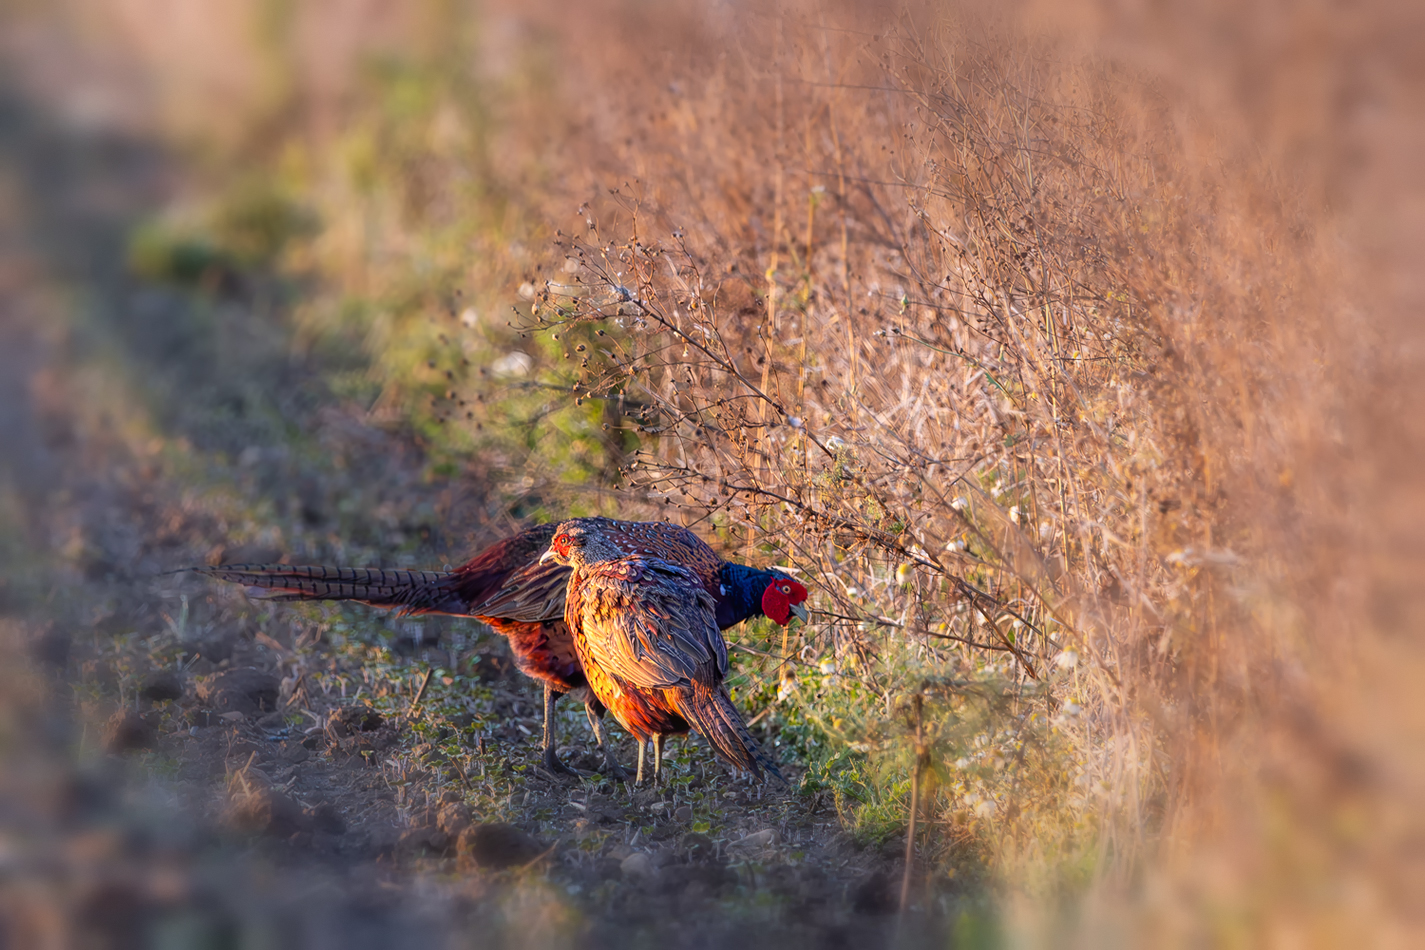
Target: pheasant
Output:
[(522, 599), (646, 631)]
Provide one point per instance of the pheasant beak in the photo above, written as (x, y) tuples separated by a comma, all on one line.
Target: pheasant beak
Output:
[(546, 556), (801, 612)]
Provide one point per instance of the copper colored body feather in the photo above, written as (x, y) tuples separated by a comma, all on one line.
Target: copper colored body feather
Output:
[(647, 635)]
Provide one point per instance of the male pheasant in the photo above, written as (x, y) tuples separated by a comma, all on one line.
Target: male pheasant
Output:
[(507, 587), (646, 630)]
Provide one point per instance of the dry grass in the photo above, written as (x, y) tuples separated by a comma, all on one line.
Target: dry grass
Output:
[(1060, 363)]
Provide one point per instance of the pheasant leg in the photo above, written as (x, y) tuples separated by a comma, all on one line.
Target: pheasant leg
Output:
[(551, 750), (657, 757), (612, 769), (642, 747)]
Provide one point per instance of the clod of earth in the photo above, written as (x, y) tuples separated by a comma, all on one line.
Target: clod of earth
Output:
[(349, 720), (161, 686), (872, 895), (325, 819), (359, 729), (637, 866), (454, 818), (757, 840), (424, 838), (127, 731), (495, 846), (257, 809), (245, 691)]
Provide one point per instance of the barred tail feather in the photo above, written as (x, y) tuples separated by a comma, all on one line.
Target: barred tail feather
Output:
[(711, 713), (413, 592)]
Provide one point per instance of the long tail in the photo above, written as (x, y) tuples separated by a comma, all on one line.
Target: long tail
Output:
[(413, 592), (711, 713)]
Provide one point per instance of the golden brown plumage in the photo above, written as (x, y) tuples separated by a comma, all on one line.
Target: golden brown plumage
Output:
[(647, 635)]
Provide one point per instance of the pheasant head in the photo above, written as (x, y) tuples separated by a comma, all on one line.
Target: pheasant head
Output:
[(749, 591), (782, 598), (580, 542)]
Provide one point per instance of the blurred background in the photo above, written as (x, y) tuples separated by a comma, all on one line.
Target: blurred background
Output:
[(1069, 353)]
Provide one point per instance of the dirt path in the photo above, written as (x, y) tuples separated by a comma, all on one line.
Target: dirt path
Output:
[(187, 766)]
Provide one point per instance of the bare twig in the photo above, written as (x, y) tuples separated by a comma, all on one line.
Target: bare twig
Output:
[(922, 760), (420, 693)]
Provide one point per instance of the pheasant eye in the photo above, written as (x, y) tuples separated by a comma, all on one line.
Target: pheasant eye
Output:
[(786, 589)]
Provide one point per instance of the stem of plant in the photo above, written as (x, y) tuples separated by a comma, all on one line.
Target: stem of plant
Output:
[(420, 693), (922, 758)]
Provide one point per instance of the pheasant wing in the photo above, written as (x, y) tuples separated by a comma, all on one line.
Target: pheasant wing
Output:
[(506, 580), (651, 623), (658, 539), (533, 593), (669, 542)]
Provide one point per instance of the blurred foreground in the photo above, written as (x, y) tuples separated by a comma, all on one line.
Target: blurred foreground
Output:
[(1073, 360)]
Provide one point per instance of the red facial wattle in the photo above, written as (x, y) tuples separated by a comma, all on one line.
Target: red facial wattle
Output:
[(780, 597)]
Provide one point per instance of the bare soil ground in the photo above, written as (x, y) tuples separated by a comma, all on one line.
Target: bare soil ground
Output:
[(186, 768)]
